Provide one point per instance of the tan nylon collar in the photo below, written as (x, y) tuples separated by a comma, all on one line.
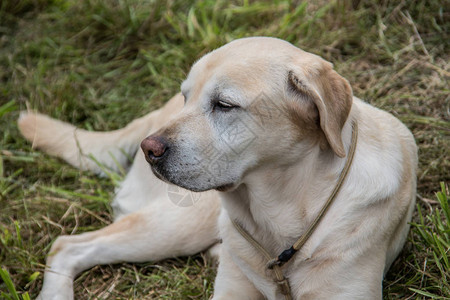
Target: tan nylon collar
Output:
[(276, 263)]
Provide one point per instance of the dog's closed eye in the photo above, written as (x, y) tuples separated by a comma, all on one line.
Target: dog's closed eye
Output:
[(223, 105)]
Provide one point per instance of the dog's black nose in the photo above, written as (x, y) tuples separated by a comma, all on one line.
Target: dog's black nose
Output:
[(154, 148)]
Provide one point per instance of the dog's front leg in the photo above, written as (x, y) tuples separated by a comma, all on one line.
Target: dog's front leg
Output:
[(70, 255), (231, 283), (160, 230)]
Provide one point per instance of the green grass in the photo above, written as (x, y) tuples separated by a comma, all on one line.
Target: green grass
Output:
[(100, 64)]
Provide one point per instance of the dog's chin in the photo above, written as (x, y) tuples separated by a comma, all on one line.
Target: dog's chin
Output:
[(191, 186)]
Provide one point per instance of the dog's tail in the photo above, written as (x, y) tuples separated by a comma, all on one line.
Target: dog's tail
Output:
[(86, 150), (92, 150)]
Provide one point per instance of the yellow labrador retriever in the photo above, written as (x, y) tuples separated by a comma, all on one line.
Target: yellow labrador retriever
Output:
[(309, 188)]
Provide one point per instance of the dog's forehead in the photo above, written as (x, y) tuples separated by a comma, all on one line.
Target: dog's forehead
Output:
[(248, 60), (247, 54), (237, 62)]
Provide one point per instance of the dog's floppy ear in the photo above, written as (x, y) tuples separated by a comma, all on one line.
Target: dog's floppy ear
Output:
[(332, 95)]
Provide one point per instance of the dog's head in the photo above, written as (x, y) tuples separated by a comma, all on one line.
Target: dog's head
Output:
[(255, 102)]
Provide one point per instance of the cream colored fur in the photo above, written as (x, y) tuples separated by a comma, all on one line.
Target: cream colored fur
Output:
[(274, 178)]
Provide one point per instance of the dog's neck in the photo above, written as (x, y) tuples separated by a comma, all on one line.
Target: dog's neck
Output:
[(277, 204)]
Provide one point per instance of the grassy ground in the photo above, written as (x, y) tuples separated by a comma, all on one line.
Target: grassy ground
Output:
[(100, 64)]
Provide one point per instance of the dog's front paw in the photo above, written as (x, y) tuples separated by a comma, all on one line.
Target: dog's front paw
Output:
[(56, 287)]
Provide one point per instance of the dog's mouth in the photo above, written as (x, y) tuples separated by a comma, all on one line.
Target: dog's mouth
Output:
[(158, 174), (166, 177), (225, 188)]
